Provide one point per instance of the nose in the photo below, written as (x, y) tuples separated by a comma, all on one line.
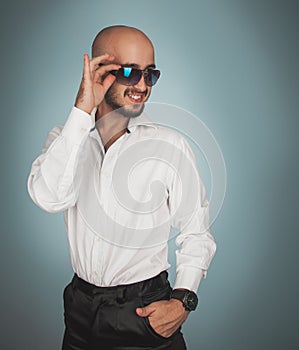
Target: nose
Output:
[(141, 84)]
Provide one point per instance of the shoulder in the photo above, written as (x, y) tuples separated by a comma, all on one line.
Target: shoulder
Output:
[(177, 140), (171, 135), (162, 131)]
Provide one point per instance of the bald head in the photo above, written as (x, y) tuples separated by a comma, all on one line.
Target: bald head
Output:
[(125, 43), (109, 38)]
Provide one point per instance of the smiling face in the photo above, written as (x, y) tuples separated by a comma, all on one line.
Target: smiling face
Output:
[(131, 48)]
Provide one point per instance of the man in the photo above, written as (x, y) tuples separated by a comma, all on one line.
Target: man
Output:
[(120, 297)]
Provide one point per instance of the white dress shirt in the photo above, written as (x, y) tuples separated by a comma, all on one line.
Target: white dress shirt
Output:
[(119, 205)]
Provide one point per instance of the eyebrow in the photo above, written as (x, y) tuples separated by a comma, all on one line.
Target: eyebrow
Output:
[(135, 65)]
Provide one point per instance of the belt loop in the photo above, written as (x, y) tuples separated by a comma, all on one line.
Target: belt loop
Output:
[(120, 295)]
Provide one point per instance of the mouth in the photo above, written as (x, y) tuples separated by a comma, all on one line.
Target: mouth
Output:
[(136, 97)]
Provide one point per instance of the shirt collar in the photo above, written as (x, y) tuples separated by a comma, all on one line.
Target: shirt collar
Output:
[(141, 120)]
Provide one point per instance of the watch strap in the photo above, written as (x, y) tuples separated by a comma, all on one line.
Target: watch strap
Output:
[(178, 294)]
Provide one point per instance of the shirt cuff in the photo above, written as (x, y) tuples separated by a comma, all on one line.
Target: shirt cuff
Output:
[(189, 278), (78, 125)]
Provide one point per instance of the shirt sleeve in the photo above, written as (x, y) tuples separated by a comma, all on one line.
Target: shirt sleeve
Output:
[(53, 182), (189, 210)]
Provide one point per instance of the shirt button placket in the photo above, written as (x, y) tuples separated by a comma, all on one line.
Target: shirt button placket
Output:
[(97, 261)]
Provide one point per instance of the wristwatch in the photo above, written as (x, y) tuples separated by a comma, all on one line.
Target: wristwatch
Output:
[(187, 297)]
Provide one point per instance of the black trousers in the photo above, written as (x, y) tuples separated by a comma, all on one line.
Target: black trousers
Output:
[(99, 318)]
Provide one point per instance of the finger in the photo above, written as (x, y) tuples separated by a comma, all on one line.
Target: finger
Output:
[(141, 312), (103, 70), (99, 59), (86, 70), (144, 311)]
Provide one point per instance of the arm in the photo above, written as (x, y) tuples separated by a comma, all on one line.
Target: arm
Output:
[(189, 212), (196, 243), (54, 179), (53, 183)]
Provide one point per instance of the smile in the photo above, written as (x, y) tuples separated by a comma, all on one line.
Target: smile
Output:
[(136, 97)]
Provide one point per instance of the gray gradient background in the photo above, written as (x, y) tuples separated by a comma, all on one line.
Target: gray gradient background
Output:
[(239, 65)]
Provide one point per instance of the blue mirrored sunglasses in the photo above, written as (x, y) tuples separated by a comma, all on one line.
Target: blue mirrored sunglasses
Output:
[(130, 76)]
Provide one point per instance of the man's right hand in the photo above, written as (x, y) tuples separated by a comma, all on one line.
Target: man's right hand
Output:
[(93, 87)]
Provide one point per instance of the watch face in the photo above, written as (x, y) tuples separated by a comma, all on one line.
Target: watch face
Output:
[(191, 301)]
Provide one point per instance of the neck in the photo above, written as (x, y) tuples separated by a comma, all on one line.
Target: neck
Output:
[(109, 124)]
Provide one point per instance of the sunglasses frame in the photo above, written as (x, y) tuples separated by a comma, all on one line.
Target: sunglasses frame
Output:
[(144, 73)]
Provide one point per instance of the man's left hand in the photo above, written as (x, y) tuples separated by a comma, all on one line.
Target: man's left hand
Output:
[(165, 316)]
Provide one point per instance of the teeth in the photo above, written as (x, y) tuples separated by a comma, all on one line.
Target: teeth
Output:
[(135, 97)]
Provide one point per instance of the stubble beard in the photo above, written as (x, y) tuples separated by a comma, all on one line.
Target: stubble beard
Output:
[(129, 111)]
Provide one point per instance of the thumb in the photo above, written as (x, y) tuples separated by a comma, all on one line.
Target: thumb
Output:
[(144, 311)]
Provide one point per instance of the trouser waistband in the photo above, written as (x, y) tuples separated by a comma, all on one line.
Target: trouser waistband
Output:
[(125, 290)]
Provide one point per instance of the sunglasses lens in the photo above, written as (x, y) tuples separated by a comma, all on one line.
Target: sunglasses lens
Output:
[(126, 72), (152, 77), (128, 76)]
